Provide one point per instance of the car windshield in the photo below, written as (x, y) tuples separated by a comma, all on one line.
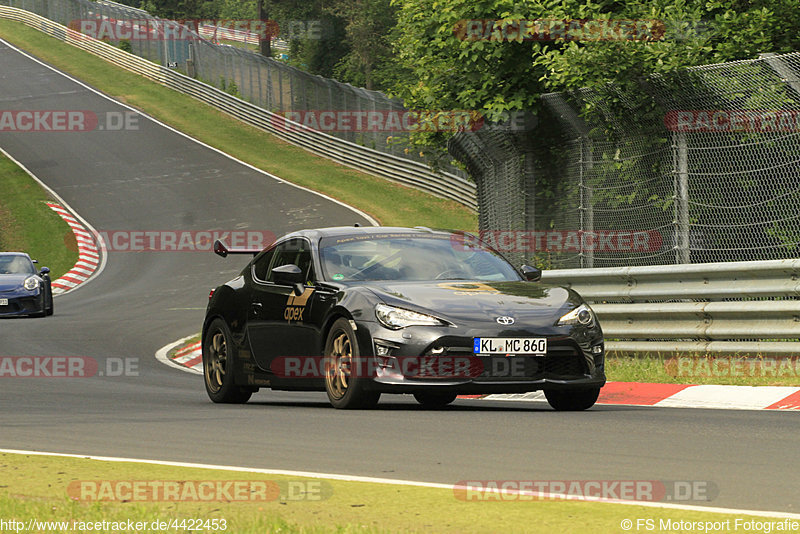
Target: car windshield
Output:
[(14, 264), (411, 257)]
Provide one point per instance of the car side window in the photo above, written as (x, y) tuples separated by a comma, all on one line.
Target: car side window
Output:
[(296, 252), (261, 265)]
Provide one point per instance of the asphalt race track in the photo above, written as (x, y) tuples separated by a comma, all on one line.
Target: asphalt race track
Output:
[(155, 179)]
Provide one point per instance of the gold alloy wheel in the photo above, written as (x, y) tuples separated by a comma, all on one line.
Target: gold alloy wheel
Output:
[(338, 365), (217, 362)]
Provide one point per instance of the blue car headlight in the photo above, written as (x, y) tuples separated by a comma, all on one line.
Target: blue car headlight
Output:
[(31, 283)]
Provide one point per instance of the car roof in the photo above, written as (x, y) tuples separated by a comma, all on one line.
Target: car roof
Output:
[(335, 231), (15, 254)]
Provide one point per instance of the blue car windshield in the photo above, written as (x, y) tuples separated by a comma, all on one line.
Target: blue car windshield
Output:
[(15, 264), (411, 257)]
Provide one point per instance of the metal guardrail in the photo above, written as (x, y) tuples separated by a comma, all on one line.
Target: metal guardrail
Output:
[(695, 307), (400, 170)]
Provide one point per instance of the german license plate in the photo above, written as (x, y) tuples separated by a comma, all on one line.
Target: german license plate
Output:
[(509, 345), (3, 302)]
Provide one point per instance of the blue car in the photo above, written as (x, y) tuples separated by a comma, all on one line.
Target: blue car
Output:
[(23, 290)]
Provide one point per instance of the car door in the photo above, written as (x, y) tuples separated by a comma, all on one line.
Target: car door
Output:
[(277, 323)]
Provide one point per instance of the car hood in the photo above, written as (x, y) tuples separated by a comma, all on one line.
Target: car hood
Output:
[(9, 282), (459, 301)]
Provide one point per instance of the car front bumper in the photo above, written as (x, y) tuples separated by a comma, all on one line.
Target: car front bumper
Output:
[(20, 303), (575, 359)]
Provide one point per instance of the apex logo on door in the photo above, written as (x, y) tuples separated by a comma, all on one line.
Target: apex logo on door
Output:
[(296, 305)]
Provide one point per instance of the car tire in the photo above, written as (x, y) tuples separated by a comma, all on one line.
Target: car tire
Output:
[(219, 357), (434, 400), (50, 308), (572, 400), (345, 391)]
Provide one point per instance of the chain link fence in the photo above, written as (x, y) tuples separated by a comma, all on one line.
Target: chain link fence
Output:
[(265, 82), (701, 166)]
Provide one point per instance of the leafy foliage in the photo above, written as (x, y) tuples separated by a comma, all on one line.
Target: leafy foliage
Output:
[(497, 74)]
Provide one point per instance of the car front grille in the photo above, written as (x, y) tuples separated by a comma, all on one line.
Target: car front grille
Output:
[(562, 362), (565, 362), (19, 305)]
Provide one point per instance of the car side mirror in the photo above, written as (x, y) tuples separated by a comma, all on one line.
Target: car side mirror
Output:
[(45, 270), (289, 274), (531, 274)]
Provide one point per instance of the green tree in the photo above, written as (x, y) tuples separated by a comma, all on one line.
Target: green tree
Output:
[(317, 51), (236, 9), (182, 9), (368, 26), (492, 75), (451, 72)]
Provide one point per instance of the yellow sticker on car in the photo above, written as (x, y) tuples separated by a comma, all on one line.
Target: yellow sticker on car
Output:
[(296, 305)]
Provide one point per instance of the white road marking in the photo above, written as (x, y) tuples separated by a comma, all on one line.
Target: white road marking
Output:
[(728, 397), (161, 355)]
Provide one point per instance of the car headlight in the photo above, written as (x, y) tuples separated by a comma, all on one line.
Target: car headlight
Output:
[(395, 318), (31, 283), (583, 314)]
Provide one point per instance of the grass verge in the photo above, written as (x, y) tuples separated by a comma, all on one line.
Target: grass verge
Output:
[(687, 369), (390, 203), (27, 224), (39, 488)]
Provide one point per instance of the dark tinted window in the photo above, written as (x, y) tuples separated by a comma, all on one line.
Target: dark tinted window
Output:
[(261, 265), (294, 252), (411, 257)]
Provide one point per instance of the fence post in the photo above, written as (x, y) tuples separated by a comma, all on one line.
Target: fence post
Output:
[(681, 184), (190, 70), (586, 193), (261, 98)]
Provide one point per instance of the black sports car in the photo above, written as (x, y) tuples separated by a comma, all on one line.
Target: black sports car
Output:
[(358, 312), (23, 290)]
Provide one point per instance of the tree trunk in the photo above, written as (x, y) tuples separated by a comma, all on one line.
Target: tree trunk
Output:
[(264, 41)]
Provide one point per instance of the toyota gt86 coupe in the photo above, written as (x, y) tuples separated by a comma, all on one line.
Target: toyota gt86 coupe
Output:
[(362, 311)]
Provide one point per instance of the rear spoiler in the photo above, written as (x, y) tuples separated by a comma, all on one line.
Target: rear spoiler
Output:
[(221, 250)]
